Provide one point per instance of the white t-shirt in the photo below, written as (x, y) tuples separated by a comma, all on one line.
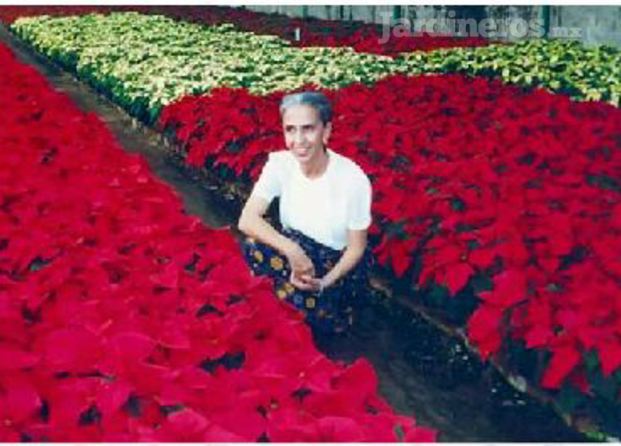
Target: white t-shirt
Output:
[(322, 208)]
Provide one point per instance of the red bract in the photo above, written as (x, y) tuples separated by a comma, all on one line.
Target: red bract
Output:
[(564, 360), (12, 358), (509, 289), (482, 178), (335, 429), (610, 354), (484, 329), (456, 276), (19, 403), (121, 318)]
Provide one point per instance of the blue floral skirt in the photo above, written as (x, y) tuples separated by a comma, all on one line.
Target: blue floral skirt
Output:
[(331, 311)]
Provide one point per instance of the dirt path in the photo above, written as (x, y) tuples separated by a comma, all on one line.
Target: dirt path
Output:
[(420, 372)]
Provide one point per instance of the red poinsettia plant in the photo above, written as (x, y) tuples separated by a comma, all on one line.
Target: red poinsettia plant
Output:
[(482, 180), (123, 319)]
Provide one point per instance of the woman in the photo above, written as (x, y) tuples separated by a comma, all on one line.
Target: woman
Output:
[(320, 260)]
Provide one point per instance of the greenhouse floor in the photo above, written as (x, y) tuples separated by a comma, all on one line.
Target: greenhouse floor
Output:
[(421, 371)]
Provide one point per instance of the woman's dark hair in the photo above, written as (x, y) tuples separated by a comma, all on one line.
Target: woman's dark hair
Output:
[(314, 99)]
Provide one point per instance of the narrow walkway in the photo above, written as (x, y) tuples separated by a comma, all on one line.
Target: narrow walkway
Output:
[(420, 374)]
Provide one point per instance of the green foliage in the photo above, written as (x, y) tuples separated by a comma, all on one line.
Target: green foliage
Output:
[(565, 67), (144, 62), (569, 398)]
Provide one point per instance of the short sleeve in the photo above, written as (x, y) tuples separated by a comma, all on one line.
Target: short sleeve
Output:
[(359, 209), (268, 186)]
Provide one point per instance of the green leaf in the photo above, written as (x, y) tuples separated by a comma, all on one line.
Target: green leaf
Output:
[(569, 398), (606, 387), (591, 360)]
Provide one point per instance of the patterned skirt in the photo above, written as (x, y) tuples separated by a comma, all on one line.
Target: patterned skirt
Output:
[(331, 311)]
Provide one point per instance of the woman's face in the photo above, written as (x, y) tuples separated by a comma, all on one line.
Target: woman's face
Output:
[(305, 134)]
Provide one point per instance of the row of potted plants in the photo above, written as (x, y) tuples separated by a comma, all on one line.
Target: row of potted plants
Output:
[(123, 319), (301, 32), (520, 206), (566, 67), (146, 61), (481, 191)]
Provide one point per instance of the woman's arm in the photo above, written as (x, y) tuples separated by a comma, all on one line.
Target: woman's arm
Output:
[(252, 223), (356, 244)]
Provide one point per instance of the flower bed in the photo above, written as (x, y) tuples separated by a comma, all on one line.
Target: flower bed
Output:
[(362, 37), (121, 319), (507, 200), (144, 61), (517, 194), (147, 61), (560, 66)]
